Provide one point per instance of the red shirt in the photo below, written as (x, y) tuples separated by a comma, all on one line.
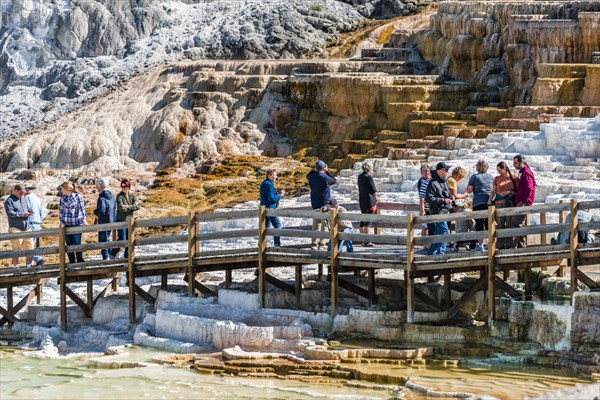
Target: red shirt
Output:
[(525, 187)]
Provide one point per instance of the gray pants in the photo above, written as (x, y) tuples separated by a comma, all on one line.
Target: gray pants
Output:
[(321, 225), (518, 221), (505, 242)]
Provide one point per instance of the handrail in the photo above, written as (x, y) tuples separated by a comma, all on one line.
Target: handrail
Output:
[(28, 234), (70, 230), (167, 221), (430, 219), (258, 253), (227, 215), (584, 205), (534, 209), (293, 213)]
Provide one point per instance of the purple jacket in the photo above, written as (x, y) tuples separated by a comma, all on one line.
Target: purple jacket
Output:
[(525, 187)]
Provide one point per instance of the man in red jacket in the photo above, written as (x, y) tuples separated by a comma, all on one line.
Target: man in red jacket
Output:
[(524, 196)]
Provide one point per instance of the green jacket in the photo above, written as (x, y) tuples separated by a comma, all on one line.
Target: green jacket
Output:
[(124, 212)]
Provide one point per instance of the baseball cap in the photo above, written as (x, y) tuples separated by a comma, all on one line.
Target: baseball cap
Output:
[(320, 165), (442, 165), (332, 202)]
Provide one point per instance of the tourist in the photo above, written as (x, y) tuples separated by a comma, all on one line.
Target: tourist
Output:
[(458, 173), (524, 197), (270, 199), (17, 214), (583, 235), (34, 203), (343, 226), (464, 226), (106, 209), (423, 205), (440, 202), (503, 195), (480, 185), (319, 181), (367, 198), (127, 204), (72, 213)]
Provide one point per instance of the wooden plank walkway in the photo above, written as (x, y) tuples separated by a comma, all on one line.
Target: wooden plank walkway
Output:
[(398, 248)]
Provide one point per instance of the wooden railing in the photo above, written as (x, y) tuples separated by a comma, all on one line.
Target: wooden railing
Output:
[(398, 248)]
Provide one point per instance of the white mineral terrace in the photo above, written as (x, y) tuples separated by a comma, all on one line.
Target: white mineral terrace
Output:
[(564, 157)]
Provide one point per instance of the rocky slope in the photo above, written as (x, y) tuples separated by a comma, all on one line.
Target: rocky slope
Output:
[(54, 56)]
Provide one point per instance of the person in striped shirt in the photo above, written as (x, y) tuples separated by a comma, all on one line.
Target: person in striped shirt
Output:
[(422, 189), (71, 213)]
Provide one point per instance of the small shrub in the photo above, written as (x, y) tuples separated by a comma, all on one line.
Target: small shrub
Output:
[(316, 8)]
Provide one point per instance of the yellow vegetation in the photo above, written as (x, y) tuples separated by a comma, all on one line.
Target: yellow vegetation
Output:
[(385, 34)]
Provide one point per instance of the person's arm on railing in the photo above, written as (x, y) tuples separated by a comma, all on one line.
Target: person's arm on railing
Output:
[(493, 193), (62, 212)]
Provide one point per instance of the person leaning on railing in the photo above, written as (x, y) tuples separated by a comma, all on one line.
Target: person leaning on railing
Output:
[(319, 181), (35, 219), (440, 202), (17, 213), (481, 185), (270, 199), (524, 197), (503, 195), (106, 208), (127, 204), (367, 198), (72, 213), (343, 225), (422, 183)]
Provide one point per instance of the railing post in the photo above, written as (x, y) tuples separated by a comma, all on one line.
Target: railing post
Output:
[(191, 251), (334, 237), (491, 268), (39, 291), (573, 243), (10, 302), (262, 247), (90, 293), (62, 260), (377, 229), (131, 268), (543, 236), (410, 265), (562, 218)]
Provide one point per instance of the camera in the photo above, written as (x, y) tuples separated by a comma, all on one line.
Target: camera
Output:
[(325, 209)]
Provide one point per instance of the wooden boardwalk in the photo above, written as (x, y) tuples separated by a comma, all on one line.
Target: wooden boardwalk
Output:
[(398, 251)]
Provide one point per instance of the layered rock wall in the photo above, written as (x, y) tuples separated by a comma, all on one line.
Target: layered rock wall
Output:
[(503, 44)]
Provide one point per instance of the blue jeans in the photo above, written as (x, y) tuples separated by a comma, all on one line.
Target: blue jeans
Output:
[(349, 247), (276, 222), (36, 226), (439, 228), (122, 234), (104, 236), (74, 240)]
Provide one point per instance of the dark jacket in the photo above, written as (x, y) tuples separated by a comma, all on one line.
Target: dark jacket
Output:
[(319, 183), (123, 214), (366, 192), (268, 194), (437, 193), (106, 207), (15, 209)]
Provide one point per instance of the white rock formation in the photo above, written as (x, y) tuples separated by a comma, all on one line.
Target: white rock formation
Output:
[(60, 54), (564, 157)]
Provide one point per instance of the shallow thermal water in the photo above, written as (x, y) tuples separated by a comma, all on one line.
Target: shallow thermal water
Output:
[(23, 377)]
